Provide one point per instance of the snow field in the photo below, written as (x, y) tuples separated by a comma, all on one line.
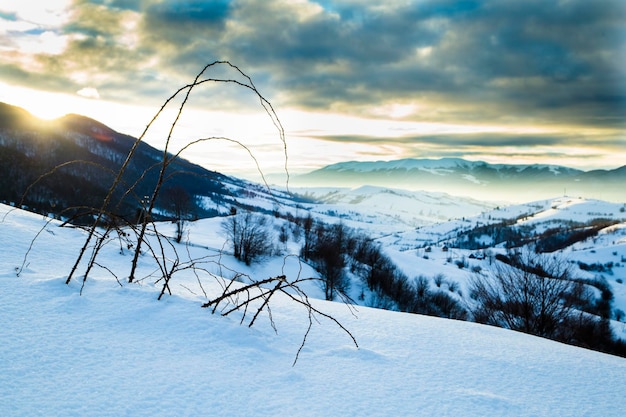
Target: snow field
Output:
[(117, 351)]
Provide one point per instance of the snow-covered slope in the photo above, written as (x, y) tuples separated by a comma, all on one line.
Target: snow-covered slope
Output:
[(458, 248), (115, 350), (539, 215), (381, 210)]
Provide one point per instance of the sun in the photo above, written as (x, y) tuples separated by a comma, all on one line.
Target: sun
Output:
[(41, 104), (123, 117)]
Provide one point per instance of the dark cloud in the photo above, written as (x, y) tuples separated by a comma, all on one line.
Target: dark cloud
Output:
[(526, 61), (488, 142), (490, 146), (172, 12), (524, 58), (539, 56), (184, 25), (134, 5)]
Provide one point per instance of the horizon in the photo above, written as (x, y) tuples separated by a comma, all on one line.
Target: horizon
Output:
[(517, 83), (272, 177), (348, 161)]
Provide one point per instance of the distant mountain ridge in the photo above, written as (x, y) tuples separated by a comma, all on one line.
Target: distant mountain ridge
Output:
[(442, 164), (475, 179)]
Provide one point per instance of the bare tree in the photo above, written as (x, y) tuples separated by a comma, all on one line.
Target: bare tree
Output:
[(307, 227), (330, 257), (248, 235), (533, 293), (179, 202)]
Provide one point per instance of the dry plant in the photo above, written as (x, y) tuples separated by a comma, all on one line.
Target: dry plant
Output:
[(252, 298)]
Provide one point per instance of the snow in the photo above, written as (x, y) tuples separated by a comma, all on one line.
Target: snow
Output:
[(381, 210), (115, 350), (576, 209)]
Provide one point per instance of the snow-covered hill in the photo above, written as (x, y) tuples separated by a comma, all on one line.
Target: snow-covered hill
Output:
[(381, 210), (560, 212), (589, 234), (116, 350)]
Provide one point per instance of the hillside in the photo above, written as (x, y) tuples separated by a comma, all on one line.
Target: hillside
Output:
[(380, 210), (66, 166), (590, 235), (479, 180), (89, 154), (115, 350)]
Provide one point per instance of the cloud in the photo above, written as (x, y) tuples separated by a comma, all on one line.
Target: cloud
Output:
[(517, 61), (496, 140), (473, 59), (88, 92), (501, 145)]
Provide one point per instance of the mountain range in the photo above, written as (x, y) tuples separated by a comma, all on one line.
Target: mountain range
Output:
[(479, 180), (48, 166)]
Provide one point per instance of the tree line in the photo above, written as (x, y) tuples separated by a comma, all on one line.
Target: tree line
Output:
[(523, 290), (343, 257)]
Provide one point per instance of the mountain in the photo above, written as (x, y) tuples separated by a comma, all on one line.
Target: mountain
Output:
[(479, 180), (31, 147), (71, 162)]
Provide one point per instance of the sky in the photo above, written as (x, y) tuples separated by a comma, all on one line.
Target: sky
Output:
[(512, 81)]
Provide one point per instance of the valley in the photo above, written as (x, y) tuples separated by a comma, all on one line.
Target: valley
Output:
[(419, 251)]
